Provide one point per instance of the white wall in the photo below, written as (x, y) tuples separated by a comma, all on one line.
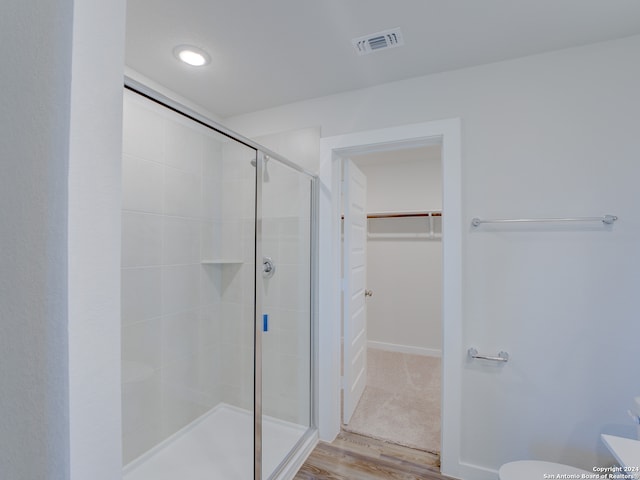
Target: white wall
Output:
[(405, 274), (34, 146), (547, 135), (403, 180), (94, 233), (60, 334)]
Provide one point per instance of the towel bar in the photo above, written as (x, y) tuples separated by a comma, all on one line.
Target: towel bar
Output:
[(606, 219), (501, 357)]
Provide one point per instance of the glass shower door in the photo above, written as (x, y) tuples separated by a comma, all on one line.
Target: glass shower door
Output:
[(188, 298), (216, 301), (284, 320)]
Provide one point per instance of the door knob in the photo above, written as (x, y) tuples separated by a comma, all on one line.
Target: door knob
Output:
[(368, 293)]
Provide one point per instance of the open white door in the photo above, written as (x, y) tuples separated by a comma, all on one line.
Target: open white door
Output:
[(355, 316)]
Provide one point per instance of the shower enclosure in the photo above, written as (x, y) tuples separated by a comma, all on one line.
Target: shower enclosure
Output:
[(217, 300)]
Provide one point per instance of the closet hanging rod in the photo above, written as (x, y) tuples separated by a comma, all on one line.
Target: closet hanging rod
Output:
[(426, 214), (403, 214), (606, 219)]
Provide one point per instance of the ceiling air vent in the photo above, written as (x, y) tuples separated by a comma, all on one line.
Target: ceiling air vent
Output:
[(378, 41)]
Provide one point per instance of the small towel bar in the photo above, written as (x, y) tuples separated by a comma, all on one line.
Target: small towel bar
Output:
[(501, 357)]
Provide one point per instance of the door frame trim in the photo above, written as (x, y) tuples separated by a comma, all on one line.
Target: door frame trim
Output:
[(332, 150)]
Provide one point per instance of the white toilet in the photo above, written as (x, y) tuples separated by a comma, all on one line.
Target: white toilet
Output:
[(536, 470)]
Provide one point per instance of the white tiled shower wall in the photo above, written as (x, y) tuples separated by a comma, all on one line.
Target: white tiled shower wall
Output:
[(170, 302), (188, 278), (235, 227)]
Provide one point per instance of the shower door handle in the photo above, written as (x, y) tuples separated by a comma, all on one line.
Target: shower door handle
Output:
[(268, 267), (368, 293)]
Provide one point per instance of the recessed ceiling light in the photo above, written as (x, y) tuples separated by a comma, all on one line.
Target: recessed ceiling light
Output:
[(191, 55)]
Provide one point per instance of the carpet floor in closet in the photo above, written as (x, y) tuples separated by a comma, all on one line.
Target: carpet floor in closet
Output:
[(401, 402)]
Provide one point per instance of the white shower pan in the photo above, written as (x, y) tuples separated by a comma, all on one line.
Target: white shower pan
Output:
[(217, 446)]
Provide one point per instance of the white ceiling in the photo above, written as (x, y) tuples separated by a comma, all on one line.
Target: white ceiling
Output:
[(272, 52)]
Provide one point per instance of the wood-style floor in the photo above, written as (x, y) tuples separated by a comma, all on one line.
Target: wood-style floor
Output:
[(355, 457)]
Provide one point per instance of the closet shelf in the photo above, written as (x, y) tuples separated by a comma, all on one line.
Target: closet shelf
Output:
[(428, 215), (401, 214)]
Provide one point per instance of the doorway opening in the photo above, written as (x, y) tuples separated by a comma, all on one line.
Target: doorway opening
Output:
[(333, 151), (392, 295), (392, 300)]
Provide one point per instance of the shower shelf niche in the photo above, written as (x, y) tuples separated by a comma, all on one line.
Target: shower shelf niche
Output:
[(222, 261)]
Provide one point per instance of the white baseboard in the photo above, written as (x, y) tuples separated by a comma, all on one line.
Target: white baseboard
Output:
[(476, 472), (468, 471), (392, 347)]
